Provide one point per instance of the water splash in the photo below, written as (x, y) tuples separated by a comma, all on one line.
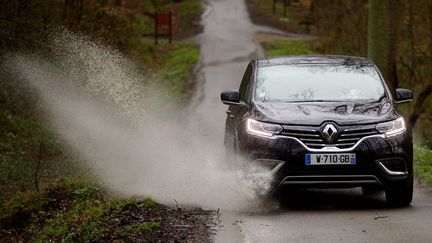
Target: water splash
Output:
[(111, 114)]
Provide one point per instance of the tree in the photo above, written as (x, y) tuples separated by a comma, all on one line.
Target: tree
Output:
[(421, 60), (383, 32)]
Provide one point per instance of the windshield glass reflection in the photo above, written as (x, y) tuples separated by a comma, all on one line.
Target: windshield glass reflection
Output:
[(318, 83)]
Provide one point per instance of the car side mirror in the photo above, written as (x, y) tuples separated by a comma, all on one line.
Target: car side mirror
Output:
[(403, 95), (230, 97)]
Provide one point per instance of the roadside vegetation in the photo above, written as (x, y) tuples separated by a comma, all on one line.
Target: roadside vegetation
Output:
[(396, 35), (287, 47), (46, 191), (423, 163), (71, 212)]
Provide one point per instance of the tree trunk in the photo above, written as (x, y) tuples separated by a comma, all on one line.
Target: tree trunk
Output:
[(419, 108), (426, 91), (383, 27), (72, 12)]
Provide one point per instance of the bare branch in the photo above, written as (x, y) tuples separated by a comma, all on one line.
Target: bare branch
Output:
[(36, 175)]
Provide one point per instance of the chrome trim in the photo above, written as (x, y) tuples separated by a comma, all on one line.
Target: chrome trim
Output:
[(330, 180), (230, 103), (270, 173), (321, 183), (403, 101), (279, 164), (276, 168), (391, 172), (329, 137), (333, 176), (329, 148)]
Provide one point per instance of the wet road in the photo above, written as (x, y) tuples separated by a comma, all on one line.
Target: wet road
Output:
[(311, 216)]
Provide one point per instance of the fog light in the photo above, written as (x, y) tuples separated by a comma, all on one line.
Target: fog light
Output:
[(393, 166), (270, 165)]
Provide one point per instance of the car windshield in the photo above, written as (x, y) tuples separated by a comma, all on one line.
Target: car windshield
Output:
[(318, 83)]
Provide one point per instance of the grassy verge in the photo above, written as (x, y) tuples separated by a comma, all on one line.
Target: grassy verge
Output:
[(176, 69), (171, 64), (31, 155), (83, 212), (423, 164), (287, 47)]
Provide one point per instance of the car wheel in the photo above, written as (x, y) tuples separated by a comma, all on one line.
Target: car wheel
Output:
[(400, 195)]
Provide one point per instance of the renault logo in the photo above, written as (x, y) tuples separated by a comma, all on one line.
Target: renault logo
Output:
[(329, 133)]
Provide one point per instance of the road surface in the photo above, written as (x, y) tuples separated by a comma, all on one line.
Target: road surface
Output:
[(312, 216)]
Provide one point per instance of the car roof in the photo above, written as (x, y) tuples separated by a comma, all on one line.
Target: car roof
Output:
[(314, 59)]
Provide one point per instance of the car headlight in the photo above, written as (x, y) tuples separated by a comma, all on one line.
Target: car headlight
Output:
[(392, 128), (262, 128)]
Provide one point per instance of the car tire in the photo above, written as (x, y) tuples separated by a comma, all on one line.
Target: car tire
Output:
[(400, 195)]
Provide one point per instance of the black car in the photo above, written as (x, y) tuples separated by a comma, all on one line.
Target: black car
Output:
[(322, 122)]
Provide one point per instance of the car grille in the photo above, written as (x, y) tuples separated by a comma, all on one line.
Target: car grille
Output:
[(312, 137)]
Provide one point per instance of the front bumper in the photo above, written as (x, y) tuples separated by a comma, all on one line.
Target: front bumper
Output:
[(380, 161)]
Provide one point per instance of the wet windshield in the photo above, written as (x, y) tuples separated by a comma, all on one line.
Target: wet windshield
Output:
[(318, 83)]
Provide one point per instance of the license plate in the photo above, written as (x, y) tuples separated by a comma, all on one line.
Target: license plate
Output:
[(331, 159)]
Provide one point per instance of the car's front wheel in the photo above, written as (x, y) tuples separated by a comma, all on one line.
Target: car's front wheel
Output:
[(401, 194)]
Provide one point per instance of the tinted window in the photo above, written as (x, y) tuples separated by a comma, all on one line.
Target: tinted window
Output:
[(306, 83)]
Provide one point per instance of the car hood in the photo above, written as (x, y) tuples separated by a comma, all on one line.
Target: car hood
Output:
[(318, 112)]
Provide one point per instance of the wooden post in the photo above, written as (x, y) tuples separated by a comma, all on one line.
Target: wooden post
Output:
[(170, 27), (156, 28), (163, 21)]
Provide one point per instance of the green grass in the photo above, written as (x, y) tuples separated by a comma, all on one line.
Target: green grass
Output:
[(81, 223), (287, 47), (84, 206), (121, 204), (176, 69), (137, 228), (70, 211), (169, 65), (21, 135), (423, 164)]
